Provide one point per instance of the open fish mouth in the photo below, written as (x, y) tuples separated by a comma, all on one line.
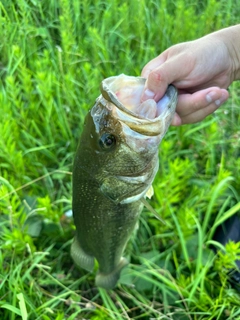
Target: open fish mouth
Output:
[(149, 118)]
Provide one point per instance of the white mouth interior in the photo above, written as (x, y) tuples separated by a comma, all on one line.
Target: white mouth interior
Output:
[(130, 96)]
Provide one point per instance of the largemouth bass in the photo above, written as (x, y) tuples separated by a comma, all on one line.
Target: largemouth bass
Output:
[(114, 167)]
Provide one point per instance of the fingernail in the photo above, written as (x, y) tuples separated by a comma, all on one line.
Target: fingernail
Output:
[(211, 96), (218, 102), (147, 94)]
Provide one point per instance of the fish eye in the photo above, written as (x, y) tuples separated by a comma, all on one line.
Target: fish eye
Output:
[(107, 141)]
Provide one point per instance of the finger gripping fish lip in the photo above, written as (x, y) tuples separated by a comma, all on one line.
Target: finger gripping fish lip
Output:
[(121, 96), (125, 93)]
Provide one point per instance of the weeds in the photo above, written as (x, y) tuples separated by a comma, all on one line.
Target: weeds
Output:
[(53, 56)]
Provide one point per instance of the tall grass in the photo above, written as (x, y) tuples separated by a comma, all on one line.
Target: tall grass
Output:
[(53, 56)]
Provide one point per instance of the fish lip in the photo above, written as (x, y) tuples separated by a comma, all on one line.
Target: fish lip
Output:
[(137, 122), (159, 124), (110, 96)]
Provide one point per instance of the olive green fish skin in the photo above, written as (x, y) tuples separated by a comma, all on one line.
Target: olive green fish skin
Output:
[(107, 190), (103, 226)]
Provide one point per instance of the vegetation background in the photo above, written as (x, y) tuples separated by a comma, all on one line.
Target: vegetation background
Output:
[(53, 55)]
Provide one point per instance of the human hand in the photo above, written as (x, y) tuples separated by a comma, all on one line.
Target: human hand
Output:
[(202, 70)]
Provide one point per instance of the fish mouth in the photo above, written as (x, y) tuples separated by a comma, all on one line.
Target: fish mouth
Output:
[(149, 118)]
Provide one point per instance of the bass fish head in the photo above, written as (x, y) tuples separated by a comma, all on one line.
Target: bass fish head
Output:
[(121, 137)]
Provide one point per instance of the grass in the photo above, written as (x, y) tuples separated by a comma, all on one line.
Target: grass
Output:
[(53, 56)]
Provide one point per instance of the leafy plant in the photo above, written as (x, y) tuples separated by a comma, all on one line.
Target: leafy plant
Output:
[(53, 56)]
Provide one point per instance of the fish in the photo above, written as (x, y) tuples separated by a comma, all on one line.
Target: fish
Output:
[(114, 167)]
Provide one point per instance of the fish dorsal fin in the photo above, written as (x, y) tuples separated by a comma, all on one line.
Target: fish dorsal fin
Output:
[(150, 208)]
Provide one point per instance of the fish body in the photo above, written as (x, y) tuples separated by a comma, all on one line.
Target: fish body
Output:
[(114, 167)]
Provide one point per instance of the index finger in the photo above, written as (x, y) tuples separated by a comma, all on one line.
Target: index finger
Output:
[(153, 64)]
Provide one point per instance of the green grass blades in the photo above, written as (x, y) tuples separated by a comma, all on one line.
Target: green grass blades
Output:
[(53, 56)]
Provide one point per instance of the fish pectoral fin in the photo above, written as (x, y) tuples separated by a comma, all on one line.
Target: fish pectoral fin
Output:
[(152, 210), (150, 192), (118, 191)]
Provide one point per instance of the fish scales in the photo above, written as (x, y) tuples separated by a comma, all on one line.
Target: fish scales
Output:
[(114, 167)]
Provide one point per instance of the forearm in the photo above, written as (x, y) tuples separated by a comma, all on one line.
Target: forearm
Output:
[(231, 38)]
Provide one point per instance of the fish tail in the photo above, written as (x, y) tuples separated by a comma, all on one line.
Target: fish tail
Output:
[(82, 259), (108, 281)]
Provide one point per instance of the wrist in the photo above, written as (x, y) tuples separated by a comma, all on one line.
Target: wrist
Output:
[(231, 38)]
